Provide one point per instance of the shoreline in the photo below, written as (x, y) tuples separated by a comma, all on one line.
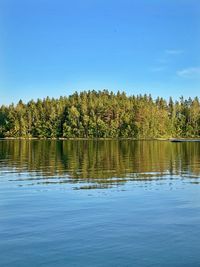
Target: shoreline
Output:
[(103, 139)]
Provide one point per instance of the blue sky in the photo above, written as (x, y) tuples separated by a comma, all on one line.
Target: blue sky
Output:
[(54, 47)]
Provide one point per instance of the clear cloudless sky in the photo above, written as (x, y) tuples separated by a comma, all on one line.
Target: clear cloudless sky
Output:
[(56, 47)]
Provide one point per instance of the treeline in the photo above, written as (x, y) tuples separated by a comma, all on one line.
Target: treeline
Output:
[(101, 114)]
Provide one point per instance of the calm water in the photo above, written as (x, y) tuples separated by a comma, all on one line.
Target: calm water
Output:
[(99, 203)]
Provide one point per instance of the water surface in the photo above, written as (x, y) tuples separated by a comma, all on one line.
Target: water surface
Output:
[(99, 203)]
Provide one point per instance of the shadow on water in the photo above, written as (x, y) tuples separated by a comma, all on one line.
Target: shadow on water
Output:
[(98, 164)]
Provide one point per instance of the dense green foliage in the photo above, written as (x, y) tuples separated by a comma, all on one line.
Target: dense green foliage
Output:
[(101, 114)]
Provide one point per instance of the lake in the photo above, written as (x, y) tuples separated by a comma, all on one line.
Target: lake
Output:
[(99, 203)]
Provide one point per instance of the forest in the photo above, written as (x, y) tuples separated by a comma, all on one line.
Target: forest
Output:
[(101, 114)]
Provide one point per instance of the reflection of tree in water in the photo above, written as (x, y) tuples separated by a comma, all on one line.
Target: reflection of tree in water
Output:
[(102, 161)]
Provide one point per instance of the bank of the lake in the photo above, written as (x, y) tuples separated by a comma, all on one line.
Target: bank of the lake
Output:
[(105, 139)]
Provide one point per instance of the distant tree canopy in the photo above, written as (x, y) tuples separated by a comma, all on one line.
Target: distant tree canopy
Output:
[(101, 114)]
